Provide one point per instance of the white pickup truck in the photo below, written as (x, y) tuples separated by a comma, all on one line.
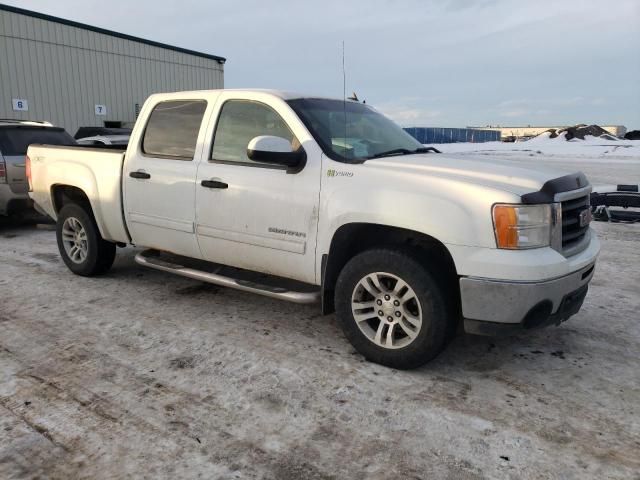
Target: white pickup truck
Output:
[(310, 199)]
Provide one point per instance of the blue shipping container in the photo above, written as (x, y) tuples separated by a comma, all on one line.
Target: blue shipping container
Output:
[(430, 135)]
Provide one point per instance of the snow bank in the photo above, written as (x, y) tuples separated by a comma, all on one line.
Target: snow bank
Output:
[(543, 145)]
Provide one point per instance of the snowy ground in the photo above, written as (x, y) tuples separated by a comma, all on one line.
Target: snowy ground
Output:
[(143, 374), (603, 161)]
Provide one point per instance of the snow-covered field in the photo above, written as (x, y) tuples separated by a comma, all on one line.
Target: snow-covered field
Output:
[(603, 161), (141, 374)]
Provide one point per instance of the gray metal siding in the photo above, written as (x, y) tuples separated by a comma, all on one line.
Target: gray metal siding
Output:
[(64, 71)]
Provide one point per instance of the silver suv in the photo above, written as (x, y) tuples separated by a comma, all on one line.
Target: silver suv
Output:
[(15, 137)]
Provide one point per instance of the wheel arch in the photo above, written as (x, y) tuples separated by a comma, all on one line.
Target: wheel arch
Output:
[(353, 238), (62, 194)]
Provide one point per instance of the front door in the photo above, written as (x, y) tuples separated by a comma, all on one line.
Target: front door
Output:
[(253, 215), (159, 179)]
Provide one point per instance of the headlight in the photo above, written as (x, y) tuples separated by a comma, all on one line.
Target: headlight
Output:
[(524, 226)]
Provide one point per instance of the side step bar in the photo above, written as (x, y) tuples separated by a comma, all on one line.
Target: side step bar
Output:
[(151, 259)]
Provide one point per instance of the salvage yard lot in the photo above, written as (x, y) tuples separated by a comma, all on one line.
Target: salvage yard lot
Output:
[(141, 373)]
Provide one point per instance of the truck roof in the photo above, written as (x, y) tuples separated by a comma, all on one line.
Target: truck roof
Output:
[(283, 94)]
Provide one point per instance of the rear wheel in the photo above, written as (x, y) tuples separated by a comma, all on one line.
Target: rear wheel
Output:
[(81, 246), (391, 309)]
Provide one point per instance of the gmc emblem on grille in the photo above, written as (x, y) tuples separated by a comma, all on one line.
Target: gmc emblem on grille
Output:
[(585, 217)]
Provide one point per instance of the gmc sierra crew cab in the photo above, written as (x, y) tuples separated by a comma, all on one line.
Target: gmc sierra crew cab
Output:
[(311, 199)]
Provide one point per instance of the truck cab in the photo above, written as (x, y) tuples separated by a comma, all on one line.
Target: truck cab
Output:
[(192, 159)]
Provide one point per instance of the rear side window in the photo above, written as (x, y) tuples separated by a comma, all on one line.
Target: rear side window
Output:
[(16, 140), (172, 129)]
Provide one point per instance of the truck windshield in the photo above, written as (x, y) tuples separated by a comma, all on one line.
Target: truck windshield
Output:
[(353, 132)]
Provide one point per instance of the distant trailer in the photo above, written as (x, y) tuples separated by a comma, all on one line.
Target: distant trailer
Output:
[(428, 135)]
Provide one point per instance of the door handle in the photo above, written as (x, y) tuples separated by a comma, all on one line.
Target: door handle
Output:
[(213, 184), (141, 175)]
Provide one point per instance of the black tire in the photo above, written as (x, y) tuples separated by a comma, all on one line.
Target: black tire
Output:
[(437, 317), (100, 253)]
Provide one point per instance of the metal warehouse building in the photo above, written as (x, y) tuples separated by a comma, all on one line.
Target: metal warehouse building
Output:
[(73, 74)]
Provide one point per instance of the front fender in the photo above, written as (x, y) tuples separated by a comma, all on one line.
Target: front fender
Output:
[(458, 219), (449, 210)]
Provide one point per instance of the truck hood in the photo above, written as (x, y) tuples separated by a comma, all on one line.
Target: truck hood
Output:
[(496, 174)]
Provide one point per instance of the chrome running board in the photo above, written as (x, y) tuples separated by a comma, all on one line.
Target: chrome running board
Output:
[(152, 259)]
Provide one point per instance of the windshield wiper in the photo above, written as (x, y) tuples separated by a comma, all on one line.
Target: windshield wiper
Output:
[(427, 150), (405, 151), (395, 151)]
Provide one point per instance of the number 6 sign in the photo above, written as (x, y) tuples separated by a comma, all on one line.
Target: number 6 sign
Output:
[(20, 104)]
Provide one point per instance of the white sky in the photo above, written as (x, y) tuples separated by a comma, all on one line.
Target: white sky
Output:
[(424, 63)]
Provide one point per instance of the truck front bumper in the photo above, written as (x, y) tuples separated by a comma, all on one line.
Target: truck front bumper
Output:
[(495, 307)]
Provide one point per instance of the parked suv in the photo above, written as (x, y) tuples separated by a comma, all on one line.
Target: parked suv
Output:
[(15, 138)]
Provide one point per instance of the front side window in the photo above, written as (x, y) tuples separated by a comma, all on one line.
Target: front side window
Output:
[(353, 132), (240, 122), (172, 129)]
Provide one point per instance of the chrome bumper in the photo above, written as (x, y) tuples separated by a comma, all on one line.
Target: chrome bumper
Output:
[(493, 307)]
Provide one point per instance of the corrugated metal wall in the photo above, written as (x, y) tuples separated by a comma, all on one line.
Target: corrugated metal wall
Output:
[(64, 71), (429, 135)]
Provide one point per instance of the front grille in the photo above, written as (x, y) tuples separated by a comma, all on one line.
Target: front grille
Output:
[(572, 232)]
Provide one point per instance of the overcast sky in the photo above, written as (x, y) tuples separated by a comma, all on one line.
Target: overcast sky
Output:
[(423, 62)]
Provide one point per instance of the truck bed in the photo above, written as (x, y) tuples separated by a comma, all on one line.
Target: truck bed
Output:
[(95, 171)]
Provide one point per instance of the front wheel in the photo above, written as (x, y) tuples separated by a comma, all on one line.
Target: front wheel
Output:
[(391, 309), (81, 246)]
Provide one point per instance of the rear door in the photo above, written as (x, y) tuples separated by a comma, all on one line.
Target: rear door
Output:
[(159, 177), (14, 141)]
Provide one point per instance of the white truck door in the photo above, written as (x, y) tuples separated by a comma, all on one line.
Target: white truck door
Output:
[(159, 178), (251, 215)]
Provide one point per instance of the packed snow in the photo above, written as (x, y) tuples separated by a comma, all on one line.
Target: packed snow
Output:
[(620, 158), (593, 147), (140, 373)]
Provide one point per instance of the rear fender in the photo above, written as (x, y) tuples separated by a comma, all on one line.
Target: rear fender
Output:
[(85, 180)]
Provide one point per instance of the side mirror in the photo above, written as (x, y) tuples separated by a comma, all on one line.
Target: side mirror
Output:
[(276, 150)]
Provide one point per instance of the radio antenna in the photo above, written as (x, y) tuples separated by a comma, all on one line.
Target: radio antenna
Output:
[(344, 98), (344, 76)]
